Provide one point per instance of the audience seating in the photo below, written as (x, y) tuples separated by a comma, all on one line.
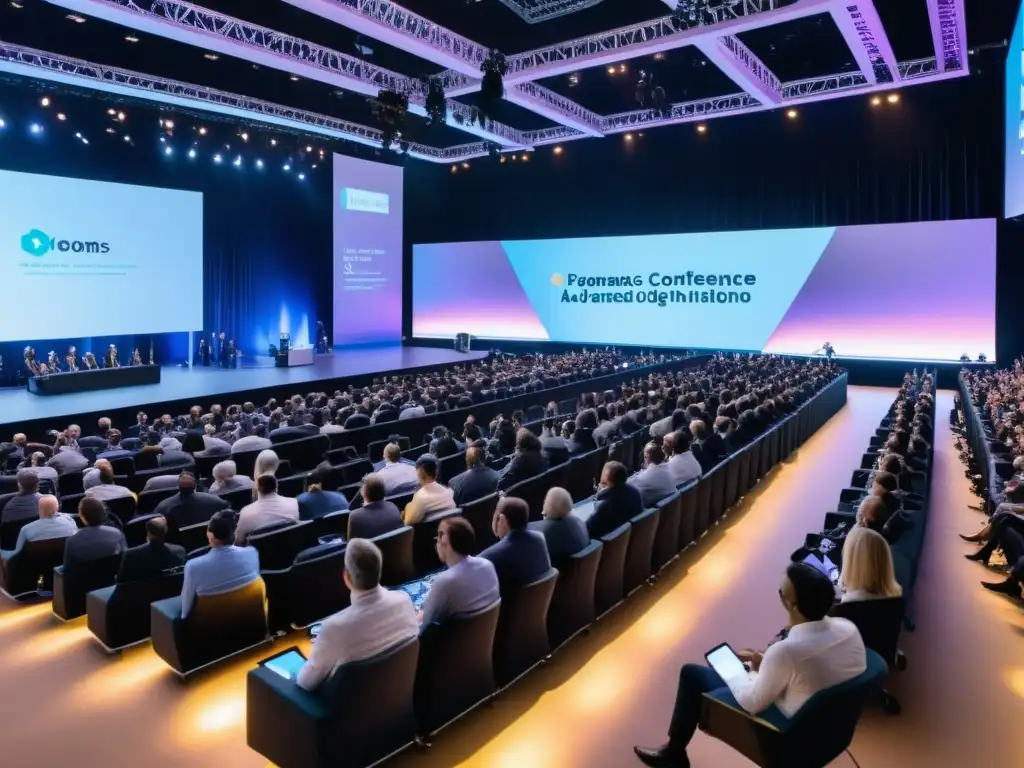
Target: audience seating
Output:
[(424, 550), (640, 551), (609, 585), (666, 540), (521, 641), (219, 626), (118, 616), (309, 590), (480, 514), (572, 607), (238, 499), (278, 544), (9, 531), (879, 622), (191, 537), (305, 453), (148, 500), (71, 587), (31, 570), (123, 508), (532, 491), (396, 551)]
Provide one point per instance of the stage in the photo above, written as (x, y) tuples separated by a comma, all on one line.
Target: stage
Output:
[(179, 387)]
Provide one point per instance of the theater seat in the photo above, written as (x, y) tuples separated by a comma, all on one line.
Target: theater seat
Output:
[(315, 588), (10, 530), (572, 604), (640, 551), (238, 499), (666, 540), (456, 670), (118, 616), (424, 544), (149, 499), (480, 514), (396, 555), (71, 587), (23, 574), (295, 728), (218, 627), (278, 544), (521, 641), (608, 586)]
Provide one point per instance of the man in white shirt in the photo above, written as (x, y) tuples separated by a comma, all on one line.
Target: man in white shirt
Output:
[(469, 584), (432, 496), (269, 508), (818, 653), (655, 480), (398, 476), (683, 463), (376, 620), (51, 524)]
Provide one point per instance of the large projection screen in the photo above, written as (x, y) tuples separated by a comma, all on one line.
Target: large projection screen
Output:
[(923, 291), (89, 258), (367, 252), (1015, 120)]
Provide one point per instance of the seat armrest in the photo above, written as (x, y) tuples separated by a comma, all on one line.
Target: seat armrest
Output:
[(722, 718), (832, 519), (168, 631), (282, 720)]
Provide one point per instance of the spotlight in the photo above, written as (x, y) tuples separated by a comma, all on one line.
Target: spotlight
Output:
[(191, 154), (168, 150), (78, 135), (131, 38), (558, 150), (163, 139), (659, 56), (85, 140), (127, 137), (35, 128), (465, 165), (111, 111), (302, 177), (876, 101), (515, 157), (217, 158), (237, 162), (202, 131), (455, 169), (309, 149), (75, 18), (169, 124), (313, 166), (701, 128), (273, 142), (61, 116), (111, 130), (211, 56), (574, 79), (294, 78), (526, 157), (791, 114), (287, 167), (622, 67), (2, 124), (245, 137), (259, 164), (120, 117), (502, 159), (893, 98), (628, 137), (17, 4), (45, 101), (611, 70)]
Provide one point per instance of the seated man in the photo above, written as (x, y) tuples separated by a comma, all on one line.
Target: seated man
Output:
[(655, 480), (683, 463), (227, 479), (477, 481), (316, 502), (66, 457), (616, 503), (432, 496), (269, 508), (818, 652), (469, 584), (398, 475), (24, 505), (520, 556), (50, 525), (149, 560), (224, 568), (564, 533), (114, 449), (96, 540), (376, 516), (376, 620), (189, 507), (107, 489)]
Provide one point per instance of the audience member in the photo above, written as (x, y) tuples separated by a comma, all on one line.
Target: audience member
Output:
[(468, 584), (867, 572), (226, 478), (553, 445), (24, 505), (189, 506), (96, 540), (564, 533), (682, 463), (431, 496), (224, 568), (51, 524), (520, 556), (397, 475), (616, 503), (154, 558), (268, 509), (66, 458), (582, 440), (376, 516), (477, 481), (316, 502), (527, 461), (655, 481), (107, 489)]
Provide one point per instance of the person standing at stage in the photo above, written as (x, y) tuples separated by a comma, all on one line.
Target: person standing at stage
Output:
[(204, 353), (222, 350)]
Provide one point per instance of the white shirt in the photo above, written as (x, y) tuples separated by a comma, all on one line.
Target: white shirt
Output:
[(860, 594), (815, 656), (467, 587), (398, 476), (685, 468), (375, 621), (266, 510), (432, 497)]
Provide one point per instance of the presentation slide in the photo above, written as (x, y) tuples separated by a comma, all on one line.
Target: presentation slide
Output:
[(367, 252), (918, 291), (87, 258), (1015, 120)]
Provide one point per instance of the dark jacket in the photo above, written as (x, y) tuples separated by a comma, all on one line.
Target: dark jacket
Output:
[(473, 484), (564, 536), (709, 452), (149, 560), (555, 450), (284, 434), (316, 504), (93, 543), (523, 466), (582, 441), (182, 511), (373, 520), (613, 507), (520, 559)]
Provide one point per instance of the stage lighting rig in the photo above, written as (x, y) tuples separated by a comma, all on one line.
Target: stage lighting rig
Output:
[(494, 150), (390, 109), (689, 14), (437, 108), (492, 86)]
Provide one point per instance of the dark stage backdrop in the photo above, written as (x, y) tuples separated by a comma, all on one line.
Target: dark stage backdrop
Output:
[(937, 155), (267, 236)]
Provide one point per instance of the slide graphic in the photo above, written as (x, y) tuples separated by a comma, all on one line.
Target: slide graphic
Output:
[(101, 247), (886, 291), (367, 252), (1015, 120)]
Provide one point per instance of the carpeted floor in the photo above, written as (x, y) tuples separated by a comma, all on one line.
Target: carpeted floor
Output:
[(63, 700)]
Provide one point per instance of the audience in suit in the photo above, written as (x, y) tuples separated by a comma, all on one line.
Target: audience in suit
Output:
[(468, 584), (582, 440), (224, 568), (707, 446), (552, 445), (38, 467), (477, 481), (269, 508), (655, 481), (114, 449), (520, 557), (616, 502), (66, 458), (106, 489), (50, 525), (682, 462), (527, 461), (867, 572), (431, 496), (316, 502), (150, 560), (96, 540), (189, 506), (818, 652), (227, 479), (24, 505), (397, 475), (376, 620), (376, 516), (564, 533)]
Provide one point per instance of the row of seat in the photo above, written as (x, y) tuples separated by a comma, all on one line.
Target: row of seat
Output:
[(424, 684), (992, 458)]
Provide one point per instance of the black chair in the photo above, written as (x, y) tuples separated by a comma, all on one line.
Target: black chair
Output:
[(148, 500), (118, 615), (532, 491), (355, 471), (135, 530), (69, 504), (637, 569), (416, 451), (400, 500), (137, 482), (688, 497), (218, 627), (238, 499), (424, 550), (294, 728), (122, 507), (716, 496), (480, 514), (71, 587), (305, 453), (332, 524), (573, 608), (609, 590), (315, 588), (292, 486), (521, 641), (375, 449), (278, 544), (880, 623), (245, 461), (396, 553), (450, 466), (125, 465), (666, 540), (30, 570), (204, 464), (191, 537), (71, 482), (10, 530), (732, 486), (456, 669)]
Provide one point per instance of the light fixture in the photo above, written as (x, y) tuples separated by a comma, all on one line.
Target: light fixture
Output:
[(302, 177), (574, 79), (163, 139), (78, 135), (168, 150), (622, 67), (273, 142), (701, 128), (112, 112), (515, 157), (313, 166), (168, 124), (35, 128), (455, 169), (85, 140), (309, 149), (61, 116), (659, 56), (465, 165), (17, 4), (217, 158), (259, 163), (876, 101), (791, 114), (294, 78), (893, 98), (628, 137), (202, 131), (127, 137), (287, 167), (45, 101), (558, 150), (611, 70), (111, 130), (2, 124), (211, 56), (526, 157), (191, 154), (237, 162), (245, 137), (131, 38), (75, 18), (120, 116)]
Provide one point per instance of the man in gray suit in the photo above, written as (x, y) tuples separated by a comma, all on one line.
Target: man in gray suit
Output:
[(95, 541), (25, 504), (655, 480)]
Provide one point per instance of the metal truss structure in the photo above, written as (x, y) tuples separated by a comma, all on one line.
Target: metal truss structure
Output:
[(533, 11), (714, 33)]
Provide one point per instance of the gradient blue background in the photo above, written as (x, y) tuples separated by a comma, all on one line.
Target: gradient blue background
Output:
[(1014, 204)]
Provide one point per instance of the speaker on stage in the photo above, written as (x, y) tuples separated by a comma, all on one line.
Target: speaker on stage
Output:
[(462, 342), (282, 351)]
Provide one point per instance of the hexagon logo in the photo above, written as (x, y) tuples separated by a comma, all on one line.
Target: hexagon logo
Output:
[(35, 242), (557, 280)]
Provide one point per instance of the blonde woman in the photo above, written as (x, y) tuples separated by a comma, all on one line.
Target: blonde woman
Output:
[(867, 567)]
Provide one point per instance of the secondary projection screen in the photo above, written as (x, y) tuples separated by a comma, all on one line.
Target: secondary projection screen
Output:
[(1015, 120), (367, 252), (910, 291), (87, 258)]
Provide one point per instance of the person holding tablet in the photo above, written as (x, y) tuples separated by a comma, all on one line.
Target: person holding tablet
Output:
[(818, 652)]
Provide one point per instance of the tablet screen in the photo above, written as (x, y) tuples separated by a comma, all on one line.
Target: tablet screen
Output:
[(286, 664), (418, 590), (726, 663)]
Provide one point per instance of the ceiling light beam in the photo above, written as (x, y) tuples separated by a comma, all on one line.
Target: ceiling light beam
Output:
[(861, 27), (949, 33)]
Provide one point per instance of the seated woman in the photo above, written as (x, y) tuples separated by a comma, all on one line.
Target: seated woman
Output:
[(1012, 505), (867, 572)]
